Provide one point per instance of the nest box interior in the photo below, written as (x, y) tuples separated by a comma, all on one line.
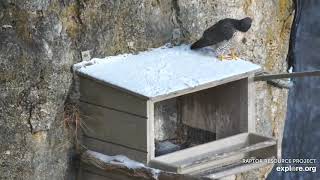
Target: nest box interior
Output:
[(201, 117), (174, 109)]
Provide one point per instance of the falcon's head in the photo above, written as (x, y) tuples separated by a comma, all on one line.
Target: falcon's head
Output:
[(244, 25)]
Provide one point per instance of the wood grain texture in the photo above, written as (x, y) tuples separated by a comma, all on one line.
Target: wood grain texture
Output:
[(151, 131), (165, 119), (114, 126), (251, 95), (204, 86), (87, 175), (217, 154), (89, 172), (233, 169), (222, 109), (100, 94)]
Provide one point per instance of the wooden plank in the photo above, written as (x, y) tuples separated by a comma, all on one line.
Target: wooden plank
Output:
[(200, 109), (215, 160), (245, 106), (234, 112), (166, 166), (100, 94), (86, 175), (104, 83), (114, 149), (211, 164), (204, 86), (165, 119), (267, 77), (220, 145), (215, 155), (222, 109), (250, 124), (150, 131), (93, 173), (265, 152), (114, 126), (233, 169)]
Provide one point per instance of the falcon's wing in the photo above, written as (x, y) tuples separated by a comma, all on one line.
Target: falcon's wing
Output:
[(200, 44), (221, 31)]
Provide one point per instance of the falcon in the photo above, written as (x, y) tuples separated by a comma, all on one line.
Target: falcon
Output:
[(221, 35)]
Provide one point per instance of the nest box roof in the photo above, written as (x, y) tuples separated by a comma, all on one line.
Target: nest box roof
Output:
[(164, 71)]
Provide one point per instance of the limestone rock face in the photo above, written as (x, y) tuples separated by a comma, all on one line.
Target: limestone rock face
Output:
[(40, 40)]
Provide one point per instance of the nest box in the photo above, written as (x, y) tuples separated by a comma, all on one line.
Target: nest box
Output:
[(174, 109)]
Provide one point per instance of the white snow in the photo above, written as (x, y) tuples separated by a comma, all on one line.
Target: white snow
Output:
[(123, 161), (163, 70), (118, 160)]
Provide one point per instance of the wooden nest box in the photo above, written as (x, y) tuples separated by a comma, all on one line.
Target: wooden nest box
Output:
[(174, 109)]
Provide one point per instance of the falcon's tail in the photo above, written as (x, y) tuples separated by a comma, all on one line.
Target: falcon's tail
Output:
[(199, 44)]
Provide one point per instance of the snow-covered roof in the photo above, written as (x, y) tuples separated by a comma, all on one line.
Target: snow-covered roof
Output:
[(164, 70)]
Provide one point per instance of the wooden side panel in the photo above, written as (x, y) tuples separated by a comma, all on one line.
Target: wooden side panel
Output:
[(251, 105), (93, 173), (232, 170), (222, 109), (96, 93), (205, 86), (114, 126), (151, 131), (86, 175), (199, 110), (114, 149), (165, 119)]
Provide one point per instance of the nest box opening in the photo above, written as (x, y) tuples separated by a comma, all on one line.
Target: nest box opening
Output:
[(201, 117)]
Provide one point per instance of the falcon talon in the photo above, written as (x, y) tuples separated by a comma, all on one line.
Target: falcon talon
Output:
[(227, 57), (233, 54), (222, 57), (234, 57)]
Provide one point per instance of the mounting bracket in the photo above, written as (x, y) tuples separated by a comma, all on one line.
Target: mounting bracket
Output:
[(277, 79)]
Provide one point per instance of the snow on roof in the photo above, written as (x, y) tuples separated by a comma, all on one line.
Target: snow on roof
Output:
[(163, 70)]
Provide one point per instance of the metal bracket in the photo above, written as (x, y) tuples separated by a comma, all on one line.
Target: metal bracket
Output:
[(265, 76), (277, 79)]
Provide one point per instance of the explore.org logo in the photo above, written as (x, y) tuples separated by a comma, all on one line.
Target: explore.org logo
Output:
[(288, 165), (296, 169)]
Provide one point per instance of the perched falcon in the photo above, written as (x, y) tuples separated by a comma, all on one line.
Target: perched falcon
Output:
[(221, 34)]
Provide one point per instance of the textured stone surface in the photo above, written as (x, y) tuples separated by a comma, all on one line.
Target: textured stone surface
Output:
[(36, 53), (40, 40), (114, 27)]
